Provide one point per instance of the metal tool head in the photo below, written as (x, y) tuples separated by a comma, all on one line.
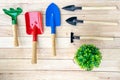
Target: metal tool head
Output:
[(13, 13), (72, 37), (72, 8), (33, 20), (54, 11), (72, 20), (69, 8)]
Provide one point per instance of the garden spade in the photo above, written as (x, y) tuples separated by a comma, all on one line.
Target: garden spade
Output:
[(53, 20), (13, 14), (34, 27)]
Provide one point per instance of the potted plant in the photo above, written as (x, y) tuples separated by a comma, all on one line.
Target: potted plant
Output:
[(88, 56)]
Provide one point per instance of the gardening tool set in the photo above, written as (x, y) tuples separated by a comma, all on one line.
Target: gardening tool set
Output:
[(34, 24), (74, 20)]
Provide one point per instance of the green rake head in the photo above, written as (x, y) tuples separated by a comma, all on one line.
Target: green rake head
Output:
[(13, 13)]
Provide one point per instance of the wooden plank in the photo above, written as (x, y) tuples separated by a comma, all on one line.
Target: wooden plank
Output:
[(107, 54), (38, 7), (6, 20), (64, 31), (42, 53), (59, 75), (25, 64), (16, 62), (61, 1), (26, 42)]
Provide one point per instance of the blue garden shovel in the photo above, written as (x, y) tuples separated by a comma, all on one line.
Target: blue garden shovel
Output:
[(53, 19)]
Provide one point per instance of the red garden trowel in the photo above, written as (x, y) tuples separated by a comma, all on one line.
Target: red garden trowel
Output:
[(53, 19), (34, 27), (14, 13)]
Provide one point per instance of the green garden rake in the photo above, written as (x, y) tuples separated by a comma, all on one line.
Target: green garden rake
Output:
[(14, 13)]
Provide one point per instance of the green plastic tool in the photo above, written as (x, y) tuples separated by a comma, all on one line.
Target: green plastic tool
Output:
[(14, 13)]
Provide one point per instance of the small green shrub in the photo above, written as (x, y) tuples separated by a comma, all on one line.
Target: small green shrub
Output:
[(88, 56)]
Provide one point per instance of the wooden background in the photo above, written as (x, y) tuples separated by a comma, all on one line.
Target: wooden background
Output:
[(15, 63)]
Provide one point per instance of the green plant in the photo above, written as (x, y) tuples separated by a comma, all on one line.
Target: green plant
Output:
[(88, 56)]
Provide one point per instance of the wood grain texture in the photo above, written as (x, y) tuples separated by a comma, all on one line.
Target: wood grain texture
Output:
[(20, 65), (15, 63), (32, 7), (26, 42), (102, 18), (64, 31), (25, 53), (59, 75)]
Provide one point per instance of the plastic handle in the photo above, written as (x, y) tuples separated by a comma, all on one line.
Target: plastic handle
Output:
[(34, 52), (53, 44), (15, 35)]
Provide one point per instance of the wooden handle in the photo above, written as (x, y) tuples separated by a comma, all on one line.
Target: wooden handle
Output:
[(97, 38), (34, 52), (102, 23), (15, 35), (53, 44), (100, 8)]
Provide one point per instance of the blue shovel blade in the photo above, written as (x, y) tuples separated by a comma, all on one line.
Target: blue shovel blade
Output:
[(53, 16)]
